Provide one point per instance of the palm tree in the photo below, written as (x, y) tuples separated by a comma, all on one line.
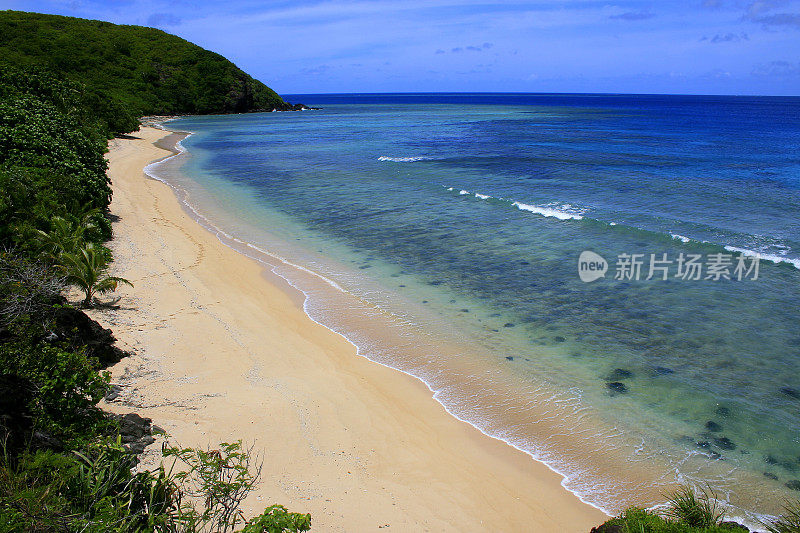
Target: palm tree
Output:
[(86, 268), (65, 236)]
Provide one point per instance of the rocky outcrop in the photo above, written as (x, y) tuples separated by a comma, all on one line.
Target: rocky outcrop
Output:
[(76, 328), (135, 432)]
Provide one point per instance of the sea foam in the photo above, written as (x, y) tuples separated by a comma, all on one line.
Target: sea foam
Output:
[(403, 159), (547, 211)]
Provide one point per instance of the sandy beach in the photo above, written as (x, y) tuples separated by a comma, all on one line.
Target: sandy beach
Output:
[(223, 351)]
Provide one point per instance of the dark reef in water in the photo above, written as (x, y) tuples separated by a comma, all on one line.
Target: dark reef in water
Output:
[(617, 387), (790, 392), (618, 374)]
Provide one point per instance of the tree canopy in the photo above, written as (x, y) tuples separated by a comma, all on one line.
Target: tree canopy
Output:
[(129, 71)]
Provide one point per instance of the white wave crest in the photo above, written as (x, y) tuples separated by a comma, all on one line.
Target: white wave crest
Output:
[(403, 159), (548, 211), (767, 257)]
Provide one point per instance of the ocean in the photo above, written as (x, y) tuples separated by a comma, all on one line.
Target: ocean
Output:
[(609, 283)]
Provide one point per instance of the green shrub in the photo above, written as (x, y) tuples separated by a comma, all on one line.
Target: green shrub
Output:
[(67, 386), (91, 491), (697, 510), (276, 519), (637, 520), (220, 478)]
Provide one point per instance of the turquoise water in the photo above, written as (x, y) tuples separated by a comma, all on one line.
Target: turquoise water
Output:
[(463, 222)]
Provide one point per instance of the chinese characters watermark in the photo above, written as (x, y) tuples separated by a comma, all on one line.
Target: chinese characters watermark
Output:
[(694, 267)]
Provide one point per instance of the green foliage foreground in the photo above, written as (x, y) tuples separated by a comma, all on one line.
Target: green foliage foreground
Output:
[(693, 511), (93, 490)]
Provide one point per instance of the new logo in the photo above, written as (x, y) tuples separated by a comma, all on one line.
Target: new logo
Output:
[(591, 266)]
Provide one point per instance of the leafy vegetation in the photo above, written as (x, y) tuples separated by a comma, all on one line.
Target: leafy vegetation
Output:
[(693, 511), (62, 465), (129, 71), (93, 490), (636, 520), (694, 508), (86, 268)]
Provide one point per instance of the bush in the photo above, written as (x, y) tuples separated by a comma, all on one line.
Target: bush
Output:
[(637, 520), (276, 519), (697, 510), (92, 491), (220, 478)]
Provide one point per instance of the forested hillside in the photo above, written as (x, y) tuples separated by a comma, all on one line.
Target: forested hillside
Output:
[(130, 71)]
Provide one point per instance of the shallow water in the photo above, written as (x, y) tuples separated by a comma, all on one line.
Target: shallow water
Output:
[(450, 231)]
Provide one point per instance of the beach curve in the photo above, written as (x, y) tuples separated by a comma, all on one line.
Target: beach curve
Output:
[(220, 354)]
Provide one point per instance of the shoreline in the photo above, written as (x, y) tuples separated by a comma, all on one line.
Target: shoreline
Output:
[(364, 446)]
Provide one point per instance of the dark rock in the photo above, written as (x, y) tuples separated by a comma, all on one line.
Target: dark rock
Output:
[(43, 440), (770, 475), (793, 484), (713, 426), (704, 444), (733, 526), (508, 325), (790, 392), (76, 328), (662, 371), (770, 459), (465, 310), (133, 424), (135, 432), (617, 387), (723, 411), (113, 393), (509, 358), (725, 443), (618, 374), (137, 447), (559, 338)]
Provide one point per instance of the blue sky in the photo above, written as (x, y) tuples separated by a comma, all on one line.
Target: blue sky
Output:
[(692, 47)]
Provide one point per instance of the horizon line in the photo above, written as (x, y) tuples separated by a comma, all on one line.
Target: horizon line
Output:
[(548, 93)]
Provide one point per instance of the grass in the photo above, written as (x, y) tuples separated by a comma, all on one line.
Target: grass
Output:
[(694, 508), (689, 511), (788, 522), (636, 520)]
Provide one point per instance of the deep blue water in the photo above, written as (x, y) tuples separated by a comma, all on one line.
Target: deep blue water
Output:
[(479, 205)]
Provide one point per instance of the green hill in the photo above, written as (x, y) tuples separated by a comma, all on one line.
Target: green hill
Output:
[(143, 71)]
